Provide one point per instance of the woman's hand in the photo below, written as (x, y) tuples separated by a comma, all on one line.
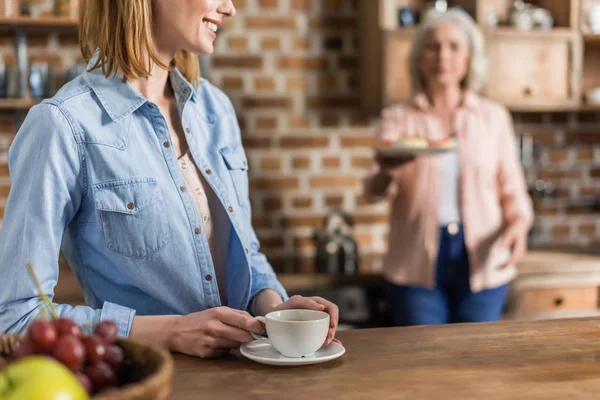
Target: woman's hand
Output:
[(388, 163), (211, 333), (515, 238), (318, 304)]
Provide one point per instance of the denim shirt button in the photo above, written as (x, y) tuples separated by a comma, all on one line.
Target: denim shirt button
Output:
[(209, 278)]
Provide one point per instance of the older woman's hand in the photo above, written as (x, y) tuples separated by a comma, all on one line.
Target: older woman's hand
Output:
[(515, 238), (318, 304), (388, 163)]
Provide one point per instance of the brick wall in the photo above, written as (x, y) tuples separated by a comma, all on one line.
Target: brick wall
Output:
[(291, 70), (567, 154)]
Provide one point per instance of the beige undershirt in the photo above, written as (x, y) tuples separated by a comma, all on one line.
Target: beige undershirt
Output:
[(215, 221)]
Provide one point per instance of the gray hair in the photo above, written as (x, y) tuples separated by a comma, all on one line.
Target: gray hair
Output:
[(476, 76)]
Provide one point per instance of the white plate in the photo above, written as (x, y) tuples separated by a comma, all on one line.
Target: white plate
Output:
[(264, 353), (407, 151)]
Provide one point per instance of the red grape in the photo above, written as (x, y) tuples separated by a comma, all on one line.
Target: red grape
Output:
[(42, 334), (65, 326), (85, 381), (114, 356), (70, 351), (23, 349), (107, 331), (101, 376), (95, 349)]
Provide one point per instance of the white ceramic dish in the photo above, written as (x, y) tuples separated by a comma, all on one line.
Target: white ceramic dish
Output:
[(396, 151), (264, 353)]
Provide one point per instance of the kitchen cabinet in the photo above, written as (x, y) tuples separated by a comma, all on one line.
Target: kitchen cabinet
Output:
[(538, 70), (395, 69), (555, 284)]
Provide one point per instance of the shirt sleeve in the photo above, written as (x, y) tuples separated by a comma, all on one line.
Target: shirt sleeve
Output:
[(388, 128), (514, 197), (48, 182)]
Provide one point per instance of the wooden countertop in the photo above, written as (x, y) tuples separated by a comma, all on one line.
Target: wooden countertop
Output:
[(505, 360), (566, 266)]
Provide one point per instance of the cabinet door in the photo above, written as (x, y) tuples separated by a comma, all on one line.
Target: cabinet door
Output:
[(556, 299), (529, 71), (396, 77)]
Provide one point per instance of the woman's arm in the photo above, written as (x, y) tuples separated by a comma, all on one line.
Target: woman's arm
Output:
[(47, 184), (514, 196)]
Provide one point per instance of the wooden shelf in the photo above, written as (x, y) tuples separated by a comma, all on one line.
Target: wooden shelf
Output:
[(38, 25), (510, 32), (539, 106), (591, 38), (18, 104), (408, 32)]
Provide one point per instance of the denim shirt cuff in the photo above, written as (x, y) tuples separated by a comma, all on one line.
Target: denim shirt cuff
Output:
[(122, 316), (267, 282)]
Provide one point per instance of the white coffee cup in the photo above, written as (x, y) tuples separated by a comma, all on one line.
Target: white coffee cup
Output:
[(295, 333)]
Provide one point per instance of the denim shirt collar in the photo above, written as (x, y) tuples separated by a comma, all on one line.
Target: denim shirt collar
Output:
[(120, 99)]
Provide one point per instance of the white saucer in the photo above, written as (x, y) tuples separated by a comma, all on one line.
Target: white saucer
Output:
[(264, 353)]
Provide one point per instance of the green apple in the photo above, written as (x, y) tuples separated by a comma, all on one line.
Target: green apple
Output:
[(40, 378), (3, 384)]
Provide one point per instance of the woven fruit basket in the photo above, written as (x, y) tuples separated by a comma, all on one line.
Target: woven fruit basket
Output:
[(149, 370)]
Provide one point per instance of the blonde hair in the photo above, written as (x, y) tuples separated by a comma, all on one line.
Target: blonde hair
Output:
[(475, 79), (121, 30)]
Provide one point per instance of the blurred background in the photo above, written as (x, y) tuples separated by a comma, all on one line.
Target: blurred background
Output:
[(308, 79)]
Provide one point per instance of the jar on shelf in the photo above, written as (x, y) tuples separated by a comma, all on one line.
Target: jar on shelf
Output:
[(66, 8), (35, 8), (9, 8)]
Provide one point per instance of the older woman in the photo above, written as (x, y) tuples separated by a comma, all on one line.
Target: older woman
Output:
[(459, 221)]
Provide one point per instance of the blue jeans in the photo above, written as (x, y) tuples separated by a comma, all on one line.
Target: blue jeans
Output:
[(452, 299)]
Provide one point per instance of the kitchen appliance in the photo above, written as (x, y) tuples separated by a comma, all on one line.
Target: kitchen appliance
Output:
[(337, 251)]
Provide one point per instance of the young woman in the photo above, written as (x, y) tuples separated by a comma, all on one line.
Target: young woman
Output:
[(458, 222), (136, 170)]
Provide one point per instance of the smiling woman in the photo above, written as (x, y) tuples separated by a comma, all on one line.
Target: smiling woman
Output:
[(140, 178)]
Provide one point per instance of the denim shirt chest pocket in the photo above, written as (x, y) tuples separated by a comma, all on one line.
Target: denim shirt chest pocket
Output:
[(133, 217), (237, 165)]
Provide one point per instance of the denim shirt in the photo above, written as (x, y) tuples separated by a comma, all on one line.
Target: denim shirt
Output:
[(93, 173)]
